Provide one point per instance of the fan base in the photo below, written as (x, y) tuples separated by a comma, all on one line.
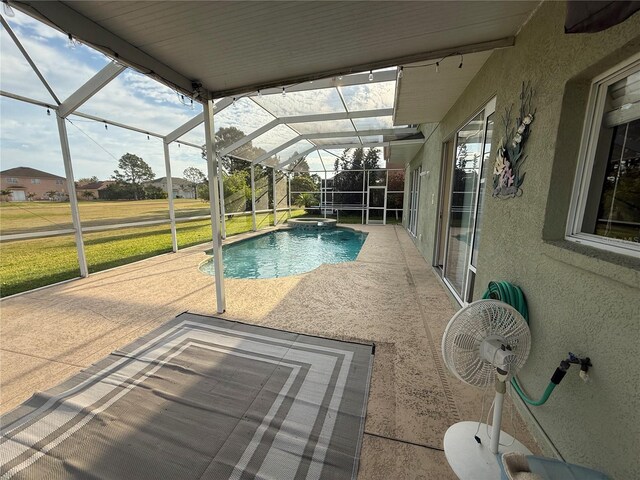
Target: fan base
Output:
[(471, 460)]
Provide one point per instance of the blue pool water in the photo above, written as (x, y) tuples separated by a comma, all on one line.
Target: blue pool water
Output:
[(288, 252)]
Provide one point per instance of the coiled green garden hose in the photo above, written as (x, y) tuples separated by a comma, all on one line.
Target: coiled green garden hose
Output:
[(512, 295)]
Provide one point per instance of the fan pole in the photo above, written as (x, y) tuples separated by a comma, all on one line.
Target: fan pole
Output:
[(501, 388)]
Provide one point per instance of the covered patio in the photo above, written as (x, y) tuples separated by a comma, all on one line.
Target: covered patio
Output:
[(315, 102), (388, 296)]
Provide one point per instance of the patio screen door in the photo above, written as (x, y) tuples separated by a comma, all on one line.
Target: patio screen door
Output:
[(467, 183), (377, 197)]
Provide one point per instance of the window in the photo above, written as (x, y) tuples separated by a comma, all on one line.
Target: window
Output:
[(12, 180), (35, 181), (59, 181), (414, 199), (606, 206)]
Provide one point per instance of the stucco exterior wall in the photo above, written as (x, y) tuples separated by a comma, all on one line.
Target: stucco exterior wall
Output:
[(580, 299), (429, 157)]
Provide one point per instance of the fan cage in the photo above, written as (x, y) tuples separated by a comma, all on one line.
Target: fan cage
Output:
[(469, 327)]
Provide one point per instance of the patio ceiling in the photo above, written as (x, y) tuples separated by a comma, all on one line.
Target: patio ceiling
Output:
[(231, 48), (425, 94)]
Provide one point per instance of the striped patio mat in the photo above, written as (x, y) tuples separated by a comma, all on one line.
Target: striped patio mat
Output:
[(199, 398)]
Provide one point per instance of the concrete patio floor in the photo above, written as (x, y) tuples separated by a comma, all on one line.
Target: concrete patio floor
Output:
[(389, 296)]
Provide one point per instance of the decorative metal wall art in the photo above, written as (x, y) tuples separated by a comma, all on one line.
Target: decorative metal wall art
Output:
[(507, 174)]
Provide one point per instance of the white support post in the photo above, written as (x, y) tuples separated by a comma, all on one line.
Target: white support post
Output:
[(223, 217), (365, 202), (172, 213), (253, 199), (325, 194), (214, 201), (289, 193), (275, 200), (73, 199), (322, 188)]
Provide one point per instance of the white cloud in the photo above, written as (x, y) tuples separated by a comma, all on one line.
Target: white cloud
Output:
[(325, 100), (28, 137), (16, 75), (149, 88), (369, 96)]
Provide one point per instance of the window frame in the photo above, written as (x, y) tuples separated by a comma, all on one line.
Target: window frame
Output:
[(586, 158), (415, 178)]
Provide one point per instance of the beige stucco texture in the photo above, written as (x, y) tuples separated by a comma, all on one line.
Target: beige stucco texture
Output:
[(581, 299)]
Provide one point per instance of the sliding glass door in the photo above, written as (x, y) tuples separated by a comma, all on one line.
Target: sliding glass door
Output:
[(467, 180)]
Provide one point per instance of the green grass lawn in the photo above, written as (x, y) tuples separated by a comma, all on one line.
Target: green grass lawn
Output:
[(18, 217), (28, 264)]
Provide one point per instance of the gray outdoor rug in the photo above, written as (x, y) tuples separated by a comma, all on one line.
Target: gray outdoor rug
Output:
[(199, 398)]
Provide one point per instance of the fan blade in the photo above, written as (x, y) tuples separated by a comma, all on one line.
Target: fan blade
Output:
[(464, 341)]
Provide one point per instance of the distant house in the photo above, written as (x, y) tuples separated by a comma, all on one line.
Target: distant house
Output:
[(181, 188), (92, 190), (22, 181)]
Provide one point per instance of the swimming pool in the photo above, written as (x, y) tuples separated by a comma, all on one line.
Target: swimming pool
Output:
[(288, 252)]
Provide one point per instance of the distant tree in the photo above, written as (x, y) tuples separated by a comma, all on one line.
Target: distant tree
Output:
[(118, 191), (396, 180), (349, 175), (5, 194), (87, 195), (304, 183), (343, 162), (134, 171), (87, 180), (195, 177), (372, 159), (302, 165), (358, 159), (227, 136), (31, 196), (203, 192), (237, 191), (152, 192)]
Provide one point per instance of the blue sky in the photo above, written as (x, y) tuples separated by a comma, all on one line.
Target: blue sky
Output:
[(29, 137)]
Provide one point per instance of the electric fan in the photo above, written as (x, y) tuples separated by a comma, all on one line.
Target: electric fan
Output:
[(486, 342)]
